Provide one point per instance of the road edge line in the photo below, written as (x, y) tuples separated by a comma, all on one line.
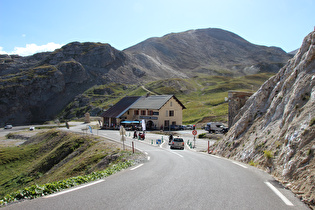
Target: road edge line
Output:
[(279, 194), (74, 189), (138, 166)]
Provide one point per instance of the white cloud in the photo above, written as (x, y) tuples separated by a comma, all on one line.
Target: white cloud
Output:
[(31, 49), (2, 52)]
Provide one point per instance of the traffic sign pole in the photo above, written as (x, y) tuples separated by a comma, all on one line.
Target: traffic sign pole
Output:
[(194, 132)]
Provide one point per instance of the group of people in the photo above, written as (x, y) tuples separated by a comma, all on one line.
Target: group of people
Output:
[(141, 135)]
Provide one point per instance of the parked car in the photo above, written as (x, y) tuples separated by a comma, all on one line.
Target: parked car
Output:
[(189, 127), (216, 127), (177, 143), (175, 127), (8, 127)]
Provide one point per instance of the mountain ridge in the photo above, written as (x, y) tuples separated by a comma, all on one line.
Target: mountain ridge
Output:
[(75, 67)]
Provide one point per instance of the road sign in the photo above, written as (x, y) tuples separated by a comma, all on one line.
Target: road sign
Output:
[(194, 132)]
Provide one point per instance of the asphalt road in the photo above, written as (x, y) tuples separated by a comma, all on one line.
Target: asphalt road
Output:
[(173, 179)]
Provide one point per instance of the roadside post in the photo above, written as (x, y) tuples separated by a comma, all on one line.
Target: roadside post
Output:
[(122, 132), (133, 147), (194, 132), (208, 147)]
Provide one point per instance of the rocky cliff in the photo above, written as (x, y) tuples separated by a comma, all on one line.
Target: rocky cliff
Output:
[(275, 130), (36, 88)]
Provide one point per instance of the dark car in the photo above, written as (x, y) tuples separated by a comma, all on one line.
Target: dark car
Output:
[(177, 143)]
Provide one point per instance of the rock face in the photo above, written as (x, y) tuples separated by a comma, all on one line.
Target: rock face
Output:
[(276, 127), (36, 88)]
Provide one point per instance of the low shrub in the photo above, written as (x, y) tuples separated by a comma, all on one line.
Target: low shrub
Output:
[(202, 135), (40, 190), (268, 154)]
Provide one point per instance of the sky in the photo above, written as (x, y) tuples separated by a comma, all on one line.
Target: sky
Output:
[(31, 26)]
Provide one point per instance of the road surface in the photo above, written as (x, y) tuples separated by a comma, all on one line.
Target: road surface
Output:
[(173, 179)]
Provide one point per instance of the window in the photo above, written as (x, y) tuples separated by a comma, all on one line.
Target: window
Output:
[(143, 112), (171, 113), (150, 112), (166, 113), (171, 103), (136, 112), (166, 123)]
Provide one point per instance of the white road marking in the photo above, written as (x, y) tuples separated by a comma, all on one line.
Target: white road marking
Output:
[(239, 164), (148, 157), (215, 156), (177, 154), (76, 188), (278, 193), (136, 167), (162, 144)]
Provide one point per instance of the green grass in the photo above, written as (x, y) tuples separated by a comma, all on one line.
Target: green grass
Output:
[(35, 191), (55, 155), (203, 96)]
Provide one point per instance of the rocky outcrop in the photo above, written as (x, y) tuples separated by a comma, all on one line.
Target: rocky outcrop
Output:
[(37, 94), (276, 127)]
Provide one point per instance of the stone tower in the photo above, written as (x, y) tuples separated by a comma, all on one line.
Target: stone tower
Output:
[(237, 100)]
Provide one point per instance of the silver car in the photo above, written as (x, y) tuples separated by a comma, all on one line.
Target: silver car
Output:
[(177, 143), (8, 127)]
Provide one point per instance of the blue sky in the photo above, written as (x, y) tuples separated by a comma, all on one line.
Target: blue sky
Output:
[(30, 26)]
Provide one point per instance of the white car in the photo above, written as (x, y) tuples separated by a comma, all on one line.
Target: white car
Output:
[(8, 127)]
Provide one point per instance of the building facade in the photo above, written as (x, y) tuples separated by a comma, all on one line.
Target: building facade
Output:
[(158, 112)]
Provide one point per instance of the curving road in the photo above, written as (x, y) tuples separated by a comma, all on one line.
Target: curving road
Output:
[(173, 179)]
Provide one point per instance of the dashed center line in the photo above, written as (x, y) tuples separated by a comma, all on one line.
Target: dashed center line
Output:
[(176, 154)]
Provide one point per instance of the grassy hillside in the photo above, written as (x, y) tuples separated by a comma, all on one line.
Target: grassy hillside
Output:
[(203, 96), (55, 155)]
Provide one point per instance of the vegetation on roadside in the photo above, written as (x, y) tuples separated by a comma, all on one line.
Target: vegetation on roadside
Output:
[(35, 191), (53, 156)]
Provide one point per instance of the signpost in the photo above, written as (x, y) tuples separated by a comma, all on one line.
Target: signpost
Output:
[(194, 132)]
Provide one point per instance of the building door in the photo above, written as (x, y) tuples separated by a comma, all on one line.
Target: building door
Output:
[(150, 125), (166, 124)]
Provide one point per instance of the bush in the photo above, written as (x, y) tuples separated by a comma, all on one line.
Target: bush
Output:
[(268, 154), (252, 163), (202, 135), (312, 122)]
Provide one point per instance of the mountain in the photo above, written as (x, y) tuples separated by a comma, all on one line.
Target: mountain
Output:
[(207, 51), (275, 130), (36, 88)]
